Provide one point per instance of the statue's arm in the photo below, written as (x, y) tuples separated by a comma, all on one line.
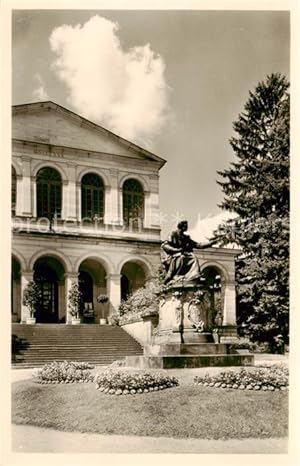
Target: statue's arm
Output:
[(168, 248), (209, 244)]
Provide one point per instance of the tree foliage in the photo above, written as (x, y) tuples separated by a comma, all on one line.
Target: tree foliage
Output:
[(256, 188)]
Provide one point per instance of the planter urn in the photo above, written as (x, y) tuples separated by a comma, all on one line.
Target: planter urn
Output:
[(30, 320), (75, 321)]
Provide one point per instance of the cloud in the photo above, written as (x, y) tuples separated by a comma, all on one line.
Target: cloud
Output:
[(40, 92), (204, 228), (124, 91)]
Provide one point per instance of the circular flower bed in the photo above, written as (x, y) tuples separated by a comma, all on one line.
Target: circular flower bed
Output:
[(65, 372), (273, 378), (125, 382)]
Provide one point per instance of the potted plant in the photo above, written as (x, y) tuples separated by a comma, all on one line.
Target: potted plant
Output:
[(74, 300), (31, 298), (102, 299)]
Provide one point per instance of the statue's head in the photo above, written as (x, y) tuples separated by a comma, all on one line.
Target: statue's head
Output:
[(183, 225)]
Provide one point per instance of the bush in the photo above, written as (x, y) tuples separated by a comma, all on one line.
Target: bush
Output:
[(32, 296), (142, 302), (114, 319), (264, 377), (74, 299), (65, 372), (125, 382)]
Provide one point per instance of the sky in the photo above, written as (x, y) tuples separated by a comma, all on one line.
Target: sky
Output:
[(171, 81)]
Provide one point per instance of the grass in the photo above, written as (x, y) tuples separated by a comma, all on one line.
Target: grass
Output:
[(180, 412)]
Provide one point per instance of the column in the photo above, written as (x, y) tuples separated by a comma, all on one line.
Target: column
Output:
[(61, 300), (229, 315), (113, 285), (112, 200), (119, 196), (26, 277), (16, 304), (26, 188), (70, 278), (65, 199), (34, 196), (147, 210), (78, 200), (107, 206), (19, 199), (70, 201), (151, 210)]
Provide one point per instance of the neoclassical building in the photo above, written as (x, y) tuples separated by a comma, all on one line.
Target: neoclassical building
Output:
[(85, 207)]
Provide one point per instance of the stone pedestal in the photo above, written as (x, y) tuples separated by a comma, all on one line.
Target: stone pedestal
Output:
[(183, 316), (183, 337)]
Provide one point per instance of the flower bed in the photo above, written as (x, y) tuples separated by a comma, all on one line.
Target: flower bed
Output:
[(65, 372), (264, 377), (125, 382)]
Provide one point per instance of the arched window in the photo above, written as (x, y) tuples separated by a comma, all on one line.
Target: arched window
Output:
[(49, 193), (133, 204), (92, 197), (13, 190)]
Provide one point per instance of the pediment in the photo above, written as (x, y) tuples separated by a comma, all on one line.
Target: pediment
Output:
[(49, 123)]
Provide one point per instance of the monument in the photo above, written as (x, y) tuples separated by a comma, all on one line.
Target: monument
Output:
[(182, 314), (184, 335)]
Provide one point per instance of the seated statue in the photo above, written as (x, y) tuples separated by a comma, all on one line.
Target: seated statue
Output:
[(178, 257)]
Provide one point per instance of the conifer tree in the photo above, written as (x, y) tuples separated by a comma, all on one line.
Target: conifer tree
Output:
[(256, 189)]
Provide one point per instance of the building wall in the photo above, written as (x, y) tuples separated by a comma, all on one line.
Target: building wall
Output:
[(46, 135), (52, 137), (29, 158), (72, 252)]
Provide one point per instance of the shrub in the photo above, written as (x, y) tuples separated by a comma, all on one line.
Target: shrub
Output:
[(74, 300), (32, 297), (114, 319), (127, 382), (264, 377), (143, 301), (65, 372)]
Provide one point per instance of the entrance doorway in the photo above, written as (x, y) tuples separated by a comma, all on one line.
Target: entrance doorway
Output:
[(48, 273)]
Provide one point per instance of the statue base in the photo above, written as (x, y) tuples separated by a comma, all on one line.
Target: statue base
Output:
[(189, 361), (184, 338), (183, 315)]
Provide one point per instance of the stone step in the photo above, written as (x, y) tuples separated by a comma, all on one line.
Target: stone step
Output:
[(189, 336), (35, 345), (189, 361), (38, 364), (91, 351), (172, 349)]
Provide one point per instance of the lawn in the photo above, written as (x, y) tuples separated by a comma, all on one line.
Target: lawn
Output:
[(182, 412)]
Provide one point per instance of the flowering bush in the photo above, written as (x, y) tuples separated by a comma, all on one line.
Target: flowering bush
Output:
[(65, 372), (264, 377), (125, 382)]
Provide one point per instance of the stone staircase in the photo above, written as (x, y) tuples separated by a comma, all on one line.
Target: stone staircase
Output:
[(36, 345)]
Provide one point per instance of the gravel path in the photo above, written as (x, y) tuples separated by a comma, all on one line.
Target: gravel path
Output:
[(28, 439)]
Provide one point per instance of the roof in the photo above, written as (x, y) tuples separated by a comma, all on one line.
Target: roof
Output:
[(33, 106)]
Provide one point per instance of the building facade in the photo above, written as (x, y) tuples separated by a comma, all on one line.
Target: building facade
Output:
[(85, 208)]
